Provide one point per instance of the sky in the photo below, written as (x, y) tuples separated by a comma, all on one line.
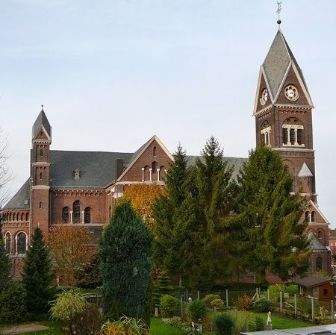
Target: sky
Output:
[(112, 73)]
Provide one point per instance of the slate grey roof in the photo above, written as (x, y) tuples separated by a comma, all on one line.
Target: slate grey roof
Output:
[(21, 200), (235, 162), (41, 120), (97, 169), (276, 64)]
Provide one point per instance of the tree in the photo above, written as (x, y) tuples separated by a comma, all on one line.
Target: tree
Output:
[(268, 228), (71, 252), (174, 214), (142, 198), (125, 250), (4, 263), (37, 276)]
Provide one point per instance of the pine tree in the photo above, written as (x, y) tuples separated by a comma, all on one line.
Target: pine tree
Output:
[(4, 262), (174, 214), (268, 228), (37, 275), (125, 250)]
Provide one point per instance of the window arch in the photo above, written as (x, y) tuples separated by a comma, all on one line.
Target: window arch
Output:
[(87, 215), (312, 216), (65, 215), (154, 151), (8, 240), (318, 264), (21, 243), (265, 133), (76, 211)]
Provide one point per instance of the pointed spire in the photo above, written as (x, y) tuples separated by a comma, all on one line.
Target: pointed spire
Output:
[(41, 122)]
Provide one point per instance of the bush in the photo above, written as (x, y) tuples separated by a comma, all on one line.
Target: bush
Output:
[(262, 305), (259, 323), (88, 322), (169, 306), (197, 310), (223, 324), (217, 304), (13, 303), (209, 298), (245, 303), (125, 326), (291, 289)]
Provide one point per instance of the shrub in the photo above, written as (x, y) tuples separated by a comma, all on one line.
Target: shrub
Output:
[(262, 305), (217, 304), (291, 289), (13, 303), (209, 298), (197, 310), (88, 322), (125, 326), (259, 323), (169, 306), (223, 324), (245, 303)]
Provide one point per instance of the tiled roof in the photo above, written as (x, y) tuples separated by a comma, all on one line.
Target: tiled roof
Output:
[(21, 200), (311, 281), (40, 122)]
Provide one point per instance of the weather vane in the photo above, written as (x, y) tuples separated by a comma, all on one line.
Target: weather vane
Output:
[(279, 3)]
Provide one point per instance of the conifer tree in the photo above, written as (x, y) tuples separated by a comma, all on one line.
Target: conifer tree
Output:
[(125, 251), (37, 277), (268, 229), (4, 262)]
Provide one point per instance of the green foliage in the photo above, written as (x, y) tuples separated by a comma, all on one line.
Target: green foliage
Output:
[(268, 229), (89, 321), (209, 298), (217, 304), (68, 306), (259, 323), (262, 305), (197, 310), (169, 306), (13, 303), (89, 276), (37, 275), (223, 324), (292, 289), (4, 262), (125, 250), (125, 326)]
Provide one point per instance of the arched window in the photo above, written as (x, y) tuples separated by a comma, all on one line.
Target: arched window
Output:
[(22, 216), (87, 215), (8, 239), (146, 173), (65, 215), (21, 243), (154, 171), (307, 216), (41, 175), (27, 216), (41, 152), (312, 216), (76, 211), (318, 265), (265, 133), (320, 234), (154, 151)]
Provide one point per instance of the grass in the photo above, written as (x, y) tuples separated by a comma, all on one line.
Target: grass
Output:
[(158, 327)]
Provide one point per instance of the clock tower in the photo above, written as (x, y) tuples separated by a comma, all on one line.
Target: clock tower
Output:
[(283, 118)]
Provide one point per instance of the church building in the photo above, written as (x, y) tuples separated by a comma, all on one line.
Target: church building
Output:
[(79, 188)]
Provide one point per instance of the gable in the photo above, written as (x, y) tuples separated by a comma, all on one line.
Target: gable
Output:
[(262, 85), (154, 153), (319, 216)]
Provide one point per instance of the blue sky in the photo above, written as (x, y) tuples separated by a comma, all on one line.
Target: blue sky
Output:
[(112, 73)]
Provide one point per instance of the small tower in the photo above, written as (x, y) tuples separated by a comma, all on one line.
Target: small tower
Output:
[(40, 174)]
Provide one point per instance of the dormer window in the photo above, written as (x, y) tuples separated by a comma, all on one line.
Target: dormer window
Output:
[(76, 174)]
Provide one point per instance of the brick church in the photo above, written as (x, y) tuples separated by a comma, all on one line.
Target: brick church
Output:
[(79, 188)]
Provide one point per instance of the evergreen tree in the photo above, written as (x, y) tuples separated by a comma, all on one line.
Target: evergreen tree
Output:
[(268, 229), (4, 262), (125, 250), (175, 218), (37, 276)]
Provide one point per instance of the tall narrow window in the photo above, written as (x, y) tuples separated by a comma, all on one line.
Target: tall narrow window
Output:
[(284, 135), (292, 136), (27, 216), (87, 215), (154, 151), (21, 246), (154, 171), (41, 152), (318, 264), (17, 216), (312, 216), (22, 216), (300, 136), (65, 215), (266, 138), (40, 175), (8, 242), (307, 217), (76, 212)]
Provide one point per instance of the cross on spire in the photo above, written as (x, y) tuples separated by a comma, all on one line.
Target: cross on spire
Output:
[(42, 110), (279, 3)]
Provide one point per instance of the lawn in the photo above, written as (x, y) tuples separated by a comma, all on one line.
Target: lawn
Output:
[(158, 327)]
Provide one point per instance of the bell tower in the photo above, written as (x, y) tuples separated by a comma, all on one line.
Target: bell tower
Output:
[(40, 174), (283, 115)]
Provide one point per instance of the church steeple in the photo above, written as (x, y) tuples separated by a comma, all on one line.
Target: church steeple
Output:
[(41, 124)]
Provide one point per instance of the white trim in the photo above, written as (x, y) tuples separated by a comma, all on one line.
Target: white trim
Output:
[(45, 132), (293, 148), (303, 86), (262, 73), (10, 242), (41, 164), (40, 187), (319, 211), (154, 138), (16, 246)]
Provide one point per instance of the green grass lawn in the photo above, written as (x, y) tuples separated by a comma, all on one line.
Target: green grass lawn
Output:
[(158, 327)]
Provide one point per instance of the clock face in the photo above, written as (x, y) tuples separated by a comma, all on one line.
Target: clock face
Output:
[(264, 96), (291, 93)]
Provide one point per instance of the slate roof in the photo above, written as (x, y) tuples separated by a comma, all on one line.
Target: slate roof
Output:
[(277, 62), (311, 281), (21, 200), (41, 121)]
